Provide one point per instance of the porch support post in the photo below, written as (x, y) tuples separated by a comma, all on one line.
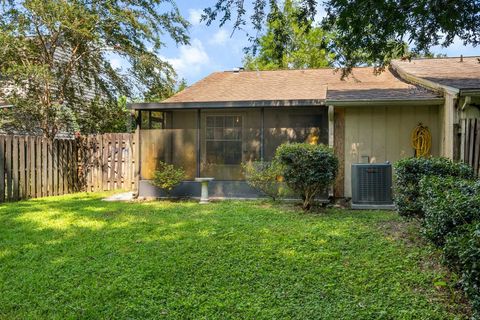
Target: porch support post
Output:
[(449, 120), (198, 141), (331, 126), (137, 154), (331, 136), (262, 135)]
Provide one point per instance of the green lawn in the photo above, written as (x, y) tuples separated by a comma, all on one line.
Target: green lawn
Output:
[(79, 257)]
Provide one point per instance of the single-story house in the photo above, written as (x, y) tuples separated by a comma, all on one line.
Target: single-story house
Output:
[(228, 118)]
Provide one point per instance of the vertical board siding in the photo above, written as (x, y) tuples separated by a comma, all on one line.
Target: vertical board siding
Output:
[(470, 143), (33, 167)]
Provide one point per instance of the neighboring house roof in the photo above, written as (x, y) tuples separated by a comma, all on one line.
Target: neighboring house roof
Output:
[(454, 74), (295, 87)]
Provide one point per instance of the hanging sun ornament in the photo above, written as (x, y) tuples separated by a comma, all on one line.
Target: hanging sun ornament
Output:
[(421, 141)]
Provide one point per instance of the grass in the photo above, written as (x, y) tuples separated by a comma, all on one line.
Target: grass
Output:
[(79, 257)]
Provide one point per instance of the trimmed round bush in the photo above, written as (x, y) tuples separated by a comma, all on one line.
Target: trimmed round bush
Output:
[(409, 172), (448, 203), (307, 169)]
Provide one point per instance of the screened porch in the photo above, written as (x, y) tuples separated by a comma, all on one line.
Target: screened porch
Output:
[(215, 142)]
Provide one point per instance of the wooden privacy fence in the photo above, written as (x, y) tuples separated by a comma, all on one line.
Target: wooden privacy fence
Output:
[(470, 143), (32, 167), (109, 162)]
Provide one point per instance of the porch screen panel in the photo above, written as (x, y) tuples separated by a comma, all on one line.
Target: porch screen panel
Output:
[(224, 139), (227, 140), (174, 143), (308, 124)]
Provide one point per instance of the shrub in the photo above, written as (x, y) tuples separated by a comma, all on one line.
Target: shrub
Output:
[(264, 176), (448, 203), (462, 252), (307, 169), (409, 172), (168, 177)]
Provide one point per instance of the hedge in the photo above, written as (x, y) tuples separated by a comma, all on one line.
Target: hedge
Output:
[(462, 253), (409, 172), (448, 203), (446, 197)]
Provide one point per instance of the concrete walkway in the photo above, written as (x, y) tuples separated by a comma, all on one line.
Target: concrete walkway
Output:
[(127, 196)]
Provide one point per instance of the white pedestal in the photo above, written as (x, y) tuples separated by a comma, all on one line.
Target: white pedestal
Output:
[(204, 183)]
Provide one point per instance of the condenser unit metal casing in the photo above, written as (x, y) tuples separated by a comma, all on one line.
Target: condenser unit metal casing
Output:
[(372, 186)]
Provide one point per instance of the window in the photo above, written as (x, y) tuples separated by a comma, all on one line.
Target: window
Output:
[(152, 119), (224, 139)]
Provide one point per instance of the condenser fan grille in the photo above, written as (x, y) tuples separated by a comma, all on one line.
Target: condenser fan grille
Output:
[(372, 184)]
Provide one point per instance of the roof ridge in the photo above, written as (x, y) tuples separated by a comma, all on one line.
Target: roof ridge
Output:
[(297, 69), (437, 58)]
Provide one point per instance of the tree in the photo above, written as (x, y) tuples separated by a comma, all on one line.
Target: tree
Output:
[(288, 43), (161, 92), (371, 30), (55, 58)]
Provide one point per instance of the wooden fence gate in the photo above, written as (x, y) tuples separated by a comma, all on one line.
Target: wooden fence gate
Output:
[(470, 143), (108, 162), (33, 167)]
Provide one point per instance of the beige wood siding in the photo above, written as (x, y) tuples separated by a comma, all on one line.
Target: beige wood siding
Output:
[(379, 134)]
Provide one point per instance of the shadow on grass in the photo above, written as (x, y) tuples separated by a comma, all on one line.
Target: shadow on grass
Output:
[(78, 256)]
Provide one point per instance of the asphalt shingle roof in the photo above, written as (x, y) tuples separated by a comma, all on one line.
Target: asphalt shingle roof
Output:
[(310, 84), (452, 72)]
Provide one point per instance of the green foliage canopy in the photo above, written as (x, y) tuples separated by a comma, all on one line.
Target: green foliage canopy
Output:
[(55, 57), (287, 43), (370, 30)]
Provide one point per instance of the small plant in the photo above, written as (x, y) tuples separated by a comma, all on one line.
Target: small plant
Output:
[(409, 172), (264, 176), (167, 177), (307, 169)]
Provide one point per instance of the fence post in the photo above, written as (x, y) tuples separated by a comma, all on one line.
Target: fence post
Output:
[(2, 169)]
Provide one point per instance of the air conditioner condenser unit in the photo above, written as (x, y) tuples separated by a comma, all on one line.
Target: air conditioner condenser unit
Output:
[(372, 186)]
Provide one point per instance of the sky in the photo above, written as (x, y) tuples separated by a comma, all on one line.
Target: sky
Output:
[(217, 49)]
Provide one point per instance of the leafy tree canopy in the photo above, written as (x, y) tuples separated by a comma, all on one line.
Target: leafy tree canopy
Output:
[(370, 30), (288, 43), (162, 92), (55, 58)]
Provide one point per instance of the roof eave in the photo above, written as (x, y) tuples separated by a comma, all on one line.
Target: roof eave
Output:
[(383, 102), (469, 92), (225, 104), (423, 82)]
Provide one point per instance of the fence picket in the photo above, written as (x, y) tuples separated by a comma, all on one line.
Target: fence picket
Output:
[(22, 176), (38, 167), (15, 168), (2, 169), (476, 158), (471, 143), (28, 159), (8, 166)]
